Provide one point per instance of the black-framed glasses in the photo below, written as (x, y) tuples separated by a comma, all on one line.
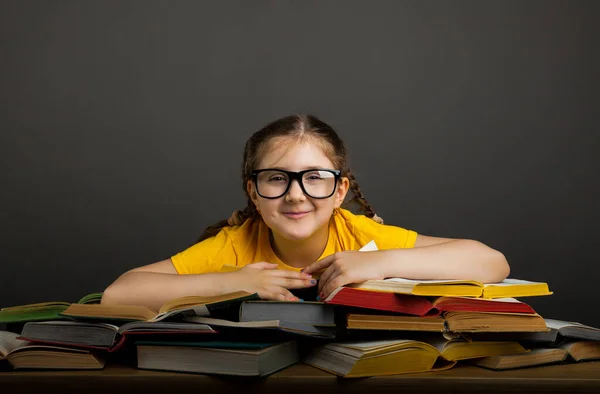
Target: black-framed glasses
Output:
[(315, 183)]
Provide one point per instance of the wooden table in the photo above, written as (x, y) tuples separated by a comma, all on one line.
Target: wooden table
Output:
[(300, 378)]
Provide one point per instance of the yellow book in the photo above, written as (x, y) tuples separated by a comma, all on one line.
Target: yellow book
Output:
[(375, 358), (457, 288), (193, 305), (398, 356)]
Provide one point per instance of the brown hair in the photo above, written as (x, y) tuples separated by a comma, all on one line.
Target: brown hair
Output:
[(297, 127)]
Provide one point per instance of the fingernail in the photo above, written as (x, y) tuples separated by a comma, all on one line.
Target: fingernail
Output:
[(300, 299), (313, 282), (318, 298), (302, 270)]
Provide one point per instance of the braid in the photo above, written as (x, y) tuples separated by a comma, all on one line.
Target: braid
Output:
[(359, 198), (237, 218)]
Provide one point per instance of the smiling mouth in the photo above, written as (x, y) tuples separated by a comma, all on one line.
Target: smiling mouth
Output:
[(295, 215)]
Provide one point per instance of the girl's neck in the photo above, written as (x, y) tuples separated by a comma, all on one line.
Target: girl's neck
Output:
[(302, 253)]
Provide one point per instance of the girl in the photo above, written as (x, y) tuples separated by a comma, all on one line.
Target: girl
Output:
[(296, 177)]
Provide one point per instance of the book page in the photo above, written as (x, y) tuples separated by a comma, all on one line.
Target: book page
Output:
[(558, 324), (429, 281), (369, 247), (513, 282), (9, 342), (512, 300)]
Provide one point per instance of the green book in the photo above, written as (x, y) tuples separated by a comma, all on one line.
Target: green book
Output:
[(43, 311)]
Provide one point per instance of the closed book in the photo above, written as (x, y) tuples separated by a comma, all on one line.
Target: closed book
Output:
[(313, 313), (494, 322), (362, 321), (225, 358)]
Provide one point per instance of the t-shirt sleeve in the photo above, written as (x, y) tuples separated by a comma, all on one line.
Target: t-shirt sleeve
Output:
[(206, 256), (385, 236)]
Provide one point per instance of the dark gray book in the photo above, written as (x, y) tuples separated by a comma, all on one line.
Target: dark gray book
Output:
[(263, 328), (225, 358), (102, 335), (311, 313)]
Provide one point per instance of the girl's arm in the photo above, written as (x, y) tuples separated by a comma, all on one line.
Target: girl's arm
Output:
[(157, 283), (154, 284), (445, 258), (431, 258)]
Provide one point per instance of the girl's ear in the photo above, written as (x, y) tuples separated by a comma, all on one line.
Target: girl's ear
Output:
[(342, 190), (252, 192)]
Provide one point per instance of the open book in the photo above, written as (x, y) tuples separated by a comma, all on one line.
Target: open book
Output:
[(266, 327), (576, 351), (508, 288), (24, 355), (105, 336), (559, 331), (396, 356), (192, 305), (43, 310)]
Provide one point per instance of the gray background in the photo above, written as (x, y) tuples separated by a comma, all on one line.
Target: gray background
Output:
[(122, 127)]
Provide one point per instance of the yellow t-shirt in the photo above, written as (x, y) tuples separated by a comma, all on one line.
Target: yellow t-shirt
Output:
[(249, 243)]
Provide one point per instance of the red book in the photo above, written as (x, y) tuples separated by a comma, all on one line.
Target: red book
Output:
[(422, 306)]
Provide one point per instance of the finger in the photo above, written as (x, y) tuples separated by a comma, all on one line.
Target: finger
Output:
[(263, 265), (325, 276), (282, 294), (294, 283), (290, 274), (332, 284), (319, 265)]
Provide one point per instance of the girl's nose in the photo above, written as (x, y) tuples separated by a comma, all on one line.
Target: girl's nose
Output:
[(295, 193)]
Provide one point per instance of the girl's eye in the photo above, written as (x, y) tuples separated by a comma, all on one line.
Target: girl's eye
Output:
[(277, 178)]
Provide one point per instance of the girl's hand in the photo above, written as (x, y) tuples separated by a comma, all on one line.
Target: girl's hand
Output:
[(346, 267), (271, 283)]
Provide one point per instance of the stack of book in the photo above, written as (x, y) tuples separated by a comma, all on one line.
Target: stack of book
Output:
[(377, 327)]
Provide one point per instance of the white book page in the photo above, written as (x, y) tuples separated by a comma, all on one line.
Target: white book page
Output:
[(9, 342), (512, 282), (369, 247), (513, 300), (558, 324), (364, 345), (425, 281), (199, 310), (74, 323)]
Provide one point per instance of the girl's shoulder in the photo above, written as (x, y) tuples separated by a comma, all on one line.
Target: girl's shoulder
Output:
[(363, 230)]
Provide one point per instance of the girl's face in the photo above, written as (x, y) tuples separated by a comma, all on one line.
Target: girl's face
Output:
[(295, 216)]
